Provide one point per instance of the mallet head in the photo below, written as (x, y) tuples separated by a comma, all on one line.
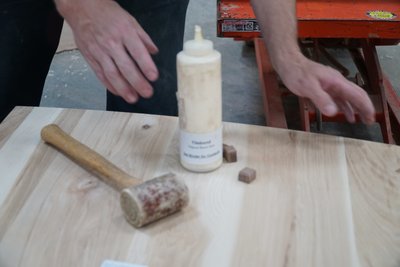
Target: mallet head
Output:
[(154, 199)]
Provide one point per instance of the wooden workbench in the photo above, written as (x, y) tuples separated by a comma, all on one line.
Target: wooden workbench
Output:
[(317, 201)]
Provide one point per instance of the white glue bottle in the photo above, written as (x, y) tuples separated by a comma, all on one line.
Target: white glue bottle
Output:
[(200, 104)]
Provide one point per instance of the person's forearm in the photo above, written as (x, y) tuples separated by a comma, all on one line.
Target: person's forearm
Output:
[(71, 9), (277, 19)]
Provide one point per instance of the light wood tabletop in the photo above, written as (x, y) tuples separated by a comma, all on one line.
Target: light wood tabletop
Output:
[(317, 200)]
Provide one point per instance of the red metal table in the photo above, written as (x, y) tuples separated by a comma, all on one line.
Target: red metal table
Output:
[(358, 25)]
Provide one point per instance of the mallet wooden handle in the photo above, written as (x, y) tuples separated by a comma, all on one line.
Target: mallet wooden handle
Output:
[(87, 158)]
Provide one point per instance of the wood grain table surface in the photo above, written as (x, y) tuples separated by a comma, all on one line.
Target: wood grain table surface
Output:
[(318, 200)]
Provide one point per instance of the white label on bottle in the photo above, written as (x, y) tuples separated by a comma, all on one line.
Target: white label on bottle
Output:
[(201, 149)]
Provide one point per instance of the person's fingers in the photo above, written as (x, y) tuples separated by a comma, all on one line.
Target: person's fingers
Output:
[(365, 107), (329, 90), (348, 111), (151, 47), (131, 73), (356, 96), (112, 77), (95, 65), (100, 74), (320, 98), (149, 44), (141, 56), (117, 81)]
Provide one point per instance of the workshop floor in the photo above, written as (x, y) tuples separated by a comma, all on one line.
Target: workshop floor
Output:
[(72, 84)]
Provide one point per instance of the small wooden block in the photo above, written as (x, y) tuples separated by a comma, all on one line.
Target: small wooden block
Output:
[(229, 153), (247, 175)]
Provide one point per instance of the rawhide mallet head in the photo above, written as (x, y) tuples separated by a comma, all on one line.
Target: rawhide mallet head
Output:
[(142, 202), (154, 199)]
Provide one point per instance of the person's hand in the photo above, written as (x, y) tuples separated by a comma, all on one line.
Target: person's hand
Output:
[(114, 44), (327, 89)]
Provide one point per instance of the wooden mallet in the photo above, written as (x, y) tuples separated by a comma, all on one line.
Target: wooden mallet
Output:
[(142, 202)]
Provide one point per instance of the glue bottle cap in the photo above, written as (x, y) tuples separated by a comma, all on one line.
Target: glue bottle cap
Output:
[(198, 46)]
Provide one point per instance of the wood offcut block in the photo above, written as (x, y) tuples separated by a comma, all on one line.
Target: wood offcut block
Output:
[(247, 175), (229, 153)]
